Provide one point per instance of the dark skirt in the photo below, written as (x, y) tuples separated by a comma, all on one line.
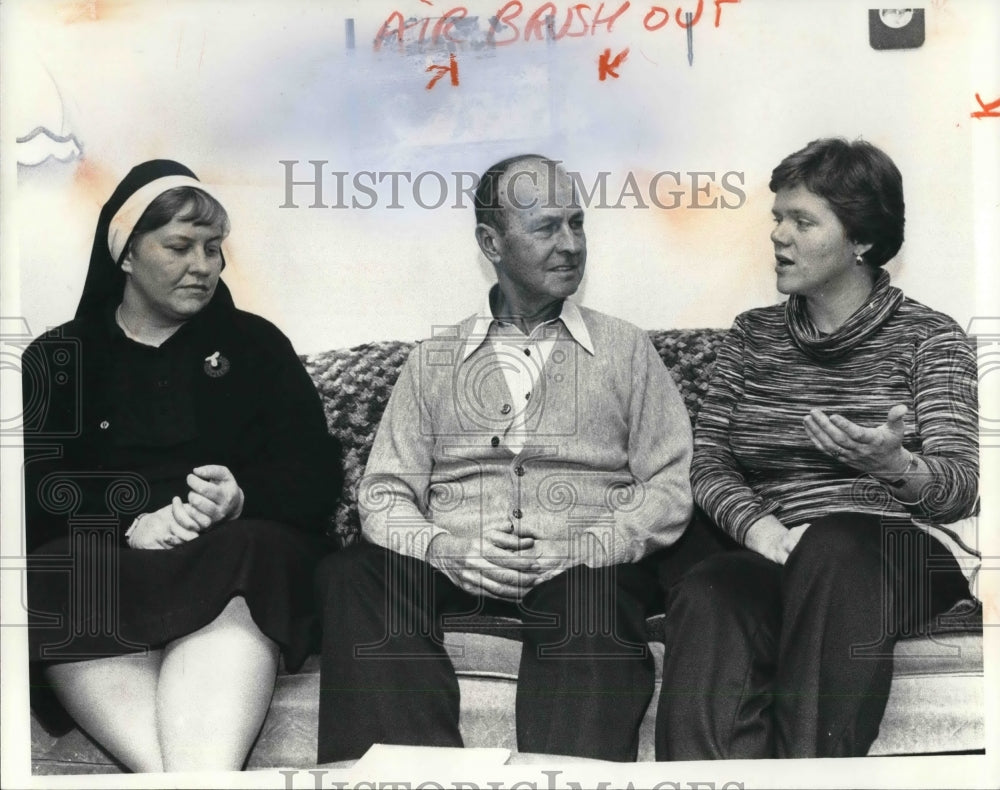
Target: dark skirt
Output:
[(89, 597)]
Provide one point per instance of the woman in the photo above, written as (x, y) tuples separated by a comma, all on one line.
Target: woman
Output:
[(834, 425), (178, 471)]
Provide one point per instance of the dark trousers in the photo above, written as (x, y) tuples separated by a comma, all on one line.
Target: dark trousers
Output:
[(585, 678), (795, 660)]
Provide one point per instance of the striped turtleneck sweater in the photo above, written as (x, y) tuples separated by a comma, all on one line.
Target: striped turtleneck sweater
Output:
[(752, 456)]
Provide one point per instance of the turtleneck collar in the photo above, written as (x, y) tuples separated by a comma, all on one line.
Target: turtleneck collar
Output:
[(882, 303)]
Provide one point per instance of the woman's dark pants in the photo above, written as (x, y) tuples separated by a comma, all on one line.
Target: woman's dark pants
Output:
[(765, 660)]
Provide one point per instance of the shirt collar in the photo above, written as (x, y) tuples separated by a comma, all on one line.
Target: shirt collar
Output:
[(570, 316)]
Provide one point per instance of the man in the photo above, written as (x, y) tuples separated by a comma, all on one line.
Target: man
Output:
[(529, 462)]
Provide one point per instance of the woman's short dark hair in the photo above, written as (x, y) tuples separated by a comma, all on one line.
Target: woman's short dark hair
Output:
[(187, 204), (862, 185)]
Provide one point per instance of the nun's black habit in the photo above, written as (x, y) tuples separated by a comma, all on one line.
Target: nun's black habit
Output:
[(112, 428)]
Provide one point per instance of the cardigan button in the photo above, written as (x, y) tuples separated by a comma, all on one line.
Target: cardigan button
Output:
[(505, 409), (105, 425), (495, 441), (519, 470), (517, 513)]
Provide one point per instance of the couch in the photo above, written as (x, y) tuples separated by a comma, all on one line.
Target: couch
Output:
[(936, 703)]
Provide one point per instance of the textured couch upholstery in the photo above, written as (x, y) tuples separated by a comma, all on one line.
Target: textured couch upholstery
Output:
[(936, 704)]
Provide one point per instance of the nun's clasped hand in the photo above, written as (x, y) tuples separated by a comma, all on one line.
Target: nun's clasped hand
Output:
[(874, 450), (160, 530), (214, 495)]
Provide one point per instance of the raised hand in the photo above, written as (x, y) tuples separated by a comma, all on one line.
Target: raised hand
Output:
[(878, 450)]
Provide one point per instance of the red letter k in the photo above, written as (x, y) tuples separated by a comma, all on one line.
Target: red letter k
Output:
[(606, 66)]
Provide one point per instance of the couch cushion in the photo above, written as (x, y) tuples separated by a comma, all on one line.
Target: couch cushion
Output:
[(354, 385), (936, 702), (689, 355)]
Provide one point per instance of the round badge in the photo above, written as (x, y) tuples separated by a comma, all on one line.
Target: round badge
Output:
[(216, 365)]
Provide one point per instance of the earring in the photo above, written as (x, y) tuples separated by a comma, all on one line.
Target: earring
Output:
[(859, 259)]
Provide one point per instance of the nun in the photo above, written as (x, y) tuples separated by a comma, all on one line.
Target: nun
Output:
[(178, 480)]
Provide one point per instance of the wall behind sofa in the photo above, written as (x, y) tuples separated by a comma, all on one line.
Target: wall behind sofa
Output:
[(234, 89)]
